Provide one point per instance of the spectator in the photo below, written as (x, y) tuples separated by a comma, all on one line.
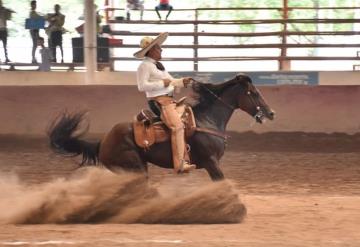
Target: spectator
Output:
[(98, 20), (34, 32), (5, 15), (45, 55), (55, 31), (80, 29), (134, 5), (164, 5)]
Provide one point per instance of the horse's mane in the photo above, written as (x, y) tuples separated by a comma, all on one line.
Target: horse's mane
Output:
[(204, 94)]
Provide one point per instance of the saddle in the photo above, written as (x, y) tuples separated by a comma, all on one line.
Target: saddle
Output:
[(149, 128)]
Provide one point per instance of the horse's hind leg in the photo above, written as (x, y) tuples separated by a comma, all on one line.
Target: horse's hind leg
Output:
[(128, 160), (131, 160), (117, 158), (118, 150), (212, 167)]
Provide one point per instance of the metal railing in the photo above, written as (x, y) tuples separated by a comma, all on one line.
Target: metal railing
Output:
[(282, 36), (279, 39)]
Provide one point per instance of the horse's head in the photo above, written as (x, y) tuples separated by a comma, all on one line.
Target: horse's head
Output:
[(238, 92), (250, 100)]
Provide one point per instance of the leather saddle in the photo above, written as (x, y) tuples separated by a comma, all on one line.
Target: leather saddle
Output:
[(149, 128)]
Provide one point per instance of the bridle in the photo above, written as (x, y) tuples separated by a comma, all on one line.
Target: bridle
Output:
[(259, 115), (215, 96)]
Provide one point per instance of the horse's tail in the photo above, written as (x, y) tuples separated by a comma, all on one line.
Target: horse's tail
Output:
[(65, 133)]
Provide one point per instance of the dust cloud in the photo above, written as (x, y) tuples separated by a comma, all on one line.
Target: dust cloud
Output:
[(95, 195)]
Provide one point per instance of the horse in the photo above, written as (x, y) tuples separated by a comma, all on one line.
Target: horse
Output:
[(213, 108)]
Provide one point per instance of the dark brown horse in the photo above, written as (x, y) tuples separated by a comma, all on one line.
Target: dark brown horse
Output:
[(214, 107)]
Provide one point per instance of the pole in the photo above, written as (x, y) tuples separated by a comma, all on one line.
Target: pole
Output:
[(196, 42), (106, 11), (90, 31), (284, 63)]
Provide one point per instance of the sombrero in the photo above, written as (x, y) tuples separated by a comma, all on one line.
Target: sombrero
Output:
[(147, 43)]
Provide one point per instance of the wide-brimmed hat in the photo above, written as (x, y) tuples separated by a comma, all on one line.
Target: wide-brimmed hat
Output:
[(147, 43)]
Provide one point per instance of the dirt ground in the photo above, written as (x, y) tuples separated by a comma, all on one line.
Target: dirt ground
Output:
[(282, 189)]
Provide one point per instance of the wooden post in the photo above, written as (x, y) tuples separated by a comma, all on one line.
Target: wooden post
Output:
[(196, 42), (284, 63), (90, 32), (106, 4)]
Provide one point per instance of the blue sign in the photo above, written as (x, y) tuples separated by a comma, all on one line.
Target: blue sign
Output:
[(260, 78), (285, 78), (35, 23)]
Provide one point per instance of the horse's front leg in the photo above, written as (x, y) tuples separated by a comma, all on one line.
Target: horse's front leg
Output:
[(212, 167)]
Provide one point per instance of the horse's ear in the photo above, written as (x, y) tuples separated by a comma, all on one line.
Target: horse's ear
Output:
[(243, 78), (196, 87)]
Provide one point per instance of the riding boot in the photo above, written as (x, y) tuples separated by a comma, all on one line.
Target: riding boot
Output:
[(186, 167), (173, 121), (181, 165)]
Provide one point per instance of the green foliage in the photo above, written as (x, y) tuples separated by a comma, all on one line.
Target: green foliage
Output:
[(74, 8)]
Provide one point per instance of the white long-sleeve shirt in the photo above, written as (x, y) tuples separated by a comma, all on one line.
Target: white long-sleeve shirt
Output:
[(150, 79)]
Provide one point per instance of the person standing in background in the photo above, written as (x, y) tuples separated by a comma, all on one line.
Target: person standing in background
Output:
[(55, 31), (134, 5), (34, 32), (163, 5), (80, 29), (45, 56), (5, 15)]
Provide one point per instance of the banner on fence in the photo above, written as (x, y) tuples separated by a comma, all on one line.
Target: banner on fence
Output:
[(260, 78)]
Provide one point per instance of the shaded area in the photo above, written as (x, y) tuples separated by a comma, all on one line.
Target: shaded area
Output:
[(292, 197), (238, 141), (290, 163)]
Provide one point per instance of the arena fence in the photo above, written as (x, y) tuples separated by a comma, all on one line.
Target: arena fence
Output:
[(283, 35), (281, 40)]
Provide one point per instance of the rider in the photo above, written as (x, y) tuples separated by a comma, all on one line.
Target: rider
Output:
[(159, 85)]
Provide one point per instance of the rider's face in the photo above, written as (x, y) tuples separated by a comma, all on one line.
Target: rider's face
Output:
[(155, 52)]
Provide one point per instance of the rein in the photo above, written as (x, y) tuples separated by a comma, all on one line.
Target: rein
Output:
[(212, 131), (215, 96), (221, 100), (259, 113)]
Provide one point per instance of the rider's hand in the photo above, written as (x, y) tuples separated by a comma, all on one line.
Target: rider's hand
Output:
[(166, 82), (187, 81)]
